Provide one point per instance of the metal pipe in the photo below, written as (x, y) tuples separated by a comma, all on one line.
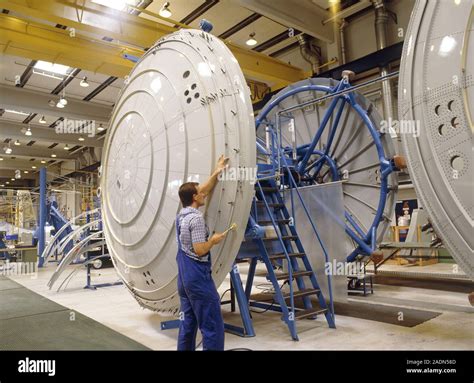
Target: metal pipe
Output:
[(309, 52), (381, 22), (342, 42)]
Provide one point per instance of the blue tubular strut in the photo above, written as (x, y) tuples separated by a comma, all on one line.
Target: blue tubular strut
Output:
[(365, 242)]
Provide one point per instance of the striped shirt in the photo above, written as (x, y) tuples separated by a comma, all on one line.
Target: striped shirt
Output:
[(193, 229)]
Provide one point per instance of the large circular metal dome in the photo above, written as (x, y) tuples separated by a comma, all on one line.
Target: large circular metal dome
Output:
[(185, 103), (436, 89)]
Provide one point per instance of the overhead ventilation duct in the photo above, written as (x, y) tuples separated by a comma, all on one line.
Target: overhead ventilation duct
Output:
[(310, 52)]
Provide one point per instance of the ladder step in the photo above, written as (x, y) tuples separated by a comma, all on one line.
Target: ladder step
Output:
[(282, 255), (270, 204), (296, 274), (267, 221), (267, 189), (302, 293), (283, 237), (309, 313)]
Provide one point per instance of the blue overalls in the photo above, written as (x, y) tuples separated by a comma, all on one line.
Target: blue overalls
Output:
[(200, 303)]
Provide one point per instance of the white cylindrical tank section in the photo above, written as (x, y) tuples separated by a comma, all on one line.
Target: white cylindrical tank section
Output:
[(185, 103), (436, 97)]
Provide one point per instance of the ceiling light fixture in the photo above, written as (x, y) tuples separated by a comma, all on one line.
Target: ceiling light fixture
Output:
[(7, 149), (25, 171), (251, 41), (100, 128), (43, 161), (28, 132), (42, 120), (33, 167), (53, 155), (81, 138), (17, 143), (165, 11), (66, 147), (84, 83), (62, 100)]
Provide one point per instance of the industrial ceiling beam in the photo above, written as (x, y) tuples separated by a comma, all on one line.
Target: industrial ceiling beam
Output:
[(21, 164), (86, 50), (28, 152), (28, 100), (10, 173), (12, 130), (297, 14), (17, 184)]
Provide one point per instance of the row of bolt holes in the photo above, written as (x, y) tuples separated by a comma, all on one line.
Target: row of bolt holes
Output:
[(457, 162), (186, 92), (454, 120), (145, 275)]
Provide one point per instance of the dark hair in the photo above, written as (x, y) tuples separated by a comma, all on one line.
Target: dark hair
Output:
[(186, 193)]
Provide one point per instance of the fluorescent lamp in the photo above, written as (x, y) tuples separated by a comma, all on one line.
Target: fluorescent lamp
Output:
[(53, 68), (16, 112), (119, 5)]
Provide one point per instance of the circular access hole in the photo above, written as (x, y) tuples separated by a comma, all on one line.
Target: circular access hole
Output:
[(451, 105), (457, 163), (196, 95), (455, 122), (193, 86), (437, 109), (186, 74), (189, 100), (186, 92)]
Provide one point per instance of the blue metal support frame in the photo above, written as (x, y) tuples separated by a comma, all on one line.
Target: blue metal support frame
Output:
[(42, 215), (344, 92)]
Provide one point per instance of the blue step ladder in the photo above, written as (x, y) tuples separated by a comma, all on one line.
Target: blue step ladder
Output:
[(290, 254)]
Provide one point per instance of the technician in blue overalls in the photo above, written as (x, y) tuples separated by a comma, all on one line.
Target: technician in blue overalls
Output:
[(200, 302)]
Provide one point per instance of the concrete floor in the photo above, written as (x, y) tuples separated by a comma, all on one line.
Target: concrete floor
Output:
[(117, 309)]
